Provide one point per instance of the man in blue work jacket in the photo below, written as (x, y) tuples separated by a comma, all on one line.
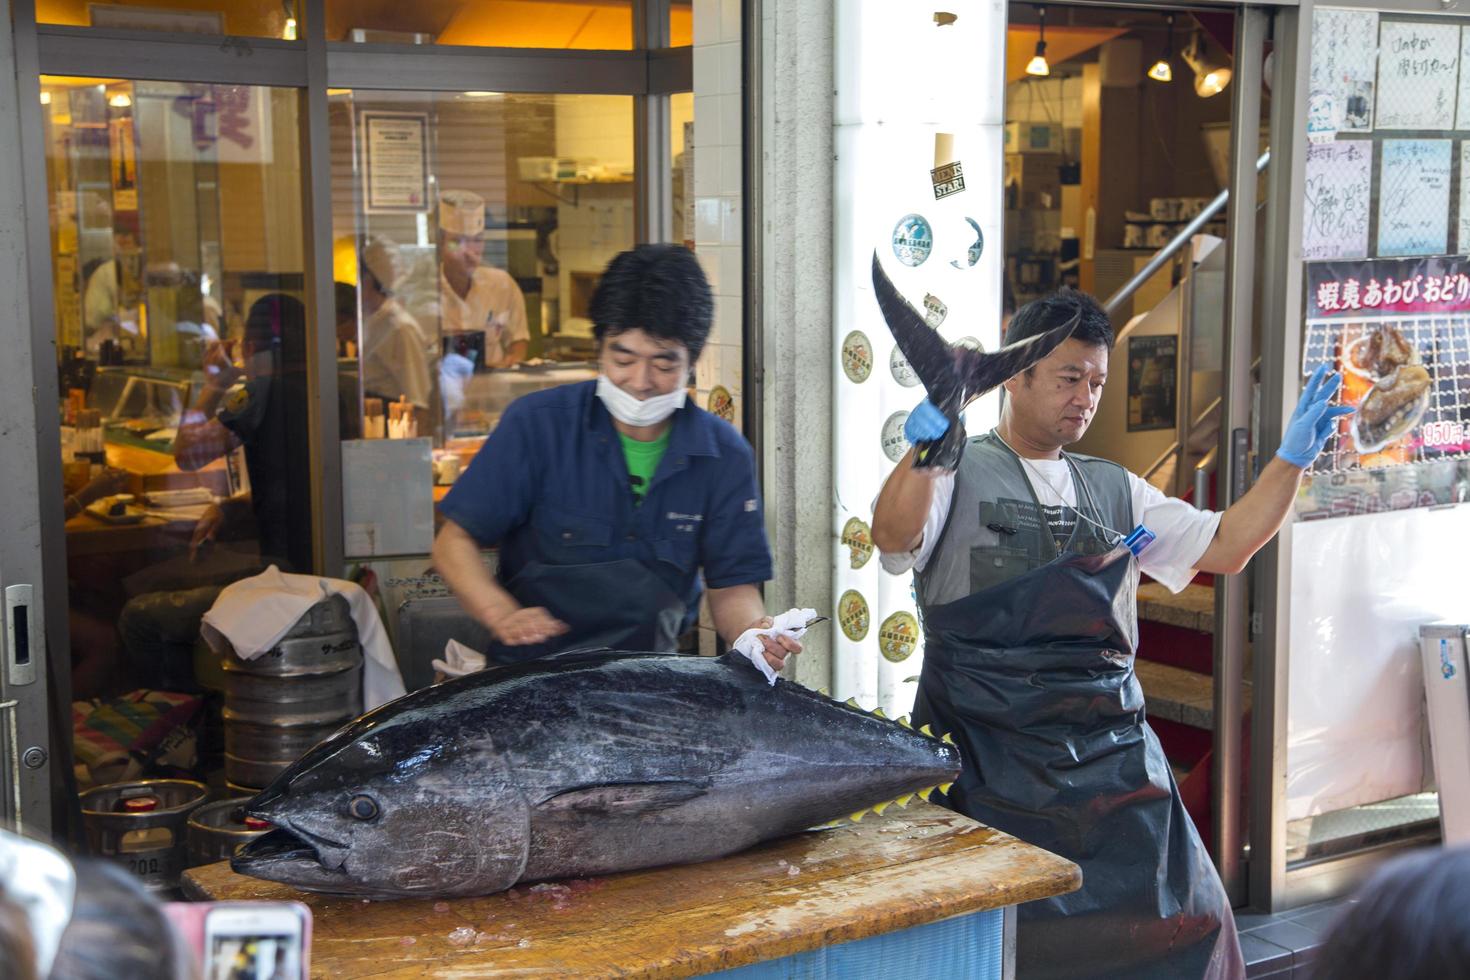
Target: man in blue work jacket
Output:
[(615, 503)]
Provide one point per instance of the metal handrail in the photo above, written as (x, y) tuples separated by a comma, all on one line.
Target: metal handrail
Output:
[(1179, 241), (1154, 467)]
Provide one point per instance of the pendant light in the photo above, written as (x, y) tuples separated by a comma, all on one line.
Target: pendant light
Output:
[(1161, 70), (1211, 67), (1037, 65)]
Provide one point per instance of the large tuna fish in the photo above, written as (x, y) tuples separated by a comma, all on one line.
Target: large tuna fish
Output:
[(576, 765)]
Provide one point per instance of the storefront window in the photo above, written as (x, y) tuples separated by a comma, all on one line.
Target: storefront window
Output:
[(601, 25), (681, 23), (1386, 305), (252, 18), (470, 232), (681, 147), (181, 334)]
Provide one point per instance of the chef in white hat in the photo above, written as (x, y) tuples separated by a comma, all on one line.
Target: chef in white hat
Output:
[(396, 353), (473, 296)]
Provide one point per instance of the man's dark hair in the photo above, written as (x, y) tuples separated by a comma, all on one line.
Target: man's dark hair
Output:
[(275, 321), (1407, 923), (659, 289), (1039, 316)]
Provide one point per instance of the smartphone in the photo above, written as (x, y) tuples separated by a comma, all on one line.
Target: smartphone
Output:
[(255, 941)]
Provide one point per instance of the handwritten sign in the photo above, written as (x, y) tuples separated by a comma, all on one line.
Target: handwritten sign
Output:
[(1462, 242), (1335, 201), (1344, 61), (1418, 75), (1414, 197)]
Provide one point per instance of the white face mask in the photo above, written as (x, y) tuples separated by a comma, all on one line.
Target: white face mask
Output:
[(630, 411)]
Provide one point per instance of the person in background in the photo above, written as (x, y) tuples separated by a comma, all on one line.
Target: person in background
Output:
[(615, 503), (395, 353), (1407, 922), (1026, 561), (474, 296)]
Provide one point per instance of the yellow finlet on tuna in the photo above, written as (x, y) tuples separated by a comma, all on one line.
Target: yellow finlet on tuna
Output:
[(878, 808), (878, 713), (923, 794), (925, 730), (904, 721), (852, 703), (946, 739), (856, 817), (944, 787), (905, 799)]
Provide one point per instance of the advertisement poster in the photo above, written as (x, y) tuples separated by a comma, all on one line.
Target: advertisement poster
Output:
[(396, 170), (1399, 332), (1153, 364)]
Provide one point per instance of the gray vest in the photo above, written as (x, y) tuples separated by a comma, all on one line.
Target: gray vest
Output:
[(997, 529)]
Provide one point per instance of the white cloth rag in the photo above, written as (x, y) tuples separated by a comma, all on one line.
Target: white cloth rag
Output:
[(458, 660), (792, 623), (38, 879), (253, 614)]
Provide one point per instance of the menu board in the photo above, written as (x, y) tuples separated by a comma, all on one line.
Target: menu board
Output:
[(1418, 75), (1414, 197), (1344, 63), (1335, 200)]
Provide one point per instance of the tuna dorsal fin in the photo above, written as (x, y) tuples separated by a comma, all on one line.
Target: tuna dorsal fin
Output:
[(623, 799)]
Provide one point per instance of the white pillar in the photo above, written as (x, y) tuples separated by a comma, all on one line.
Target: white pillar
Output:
[(901, 79)]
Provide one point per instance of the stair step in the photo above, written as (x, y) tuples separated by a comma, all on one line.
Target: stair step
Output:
[(1181, 696), (1192, 609)]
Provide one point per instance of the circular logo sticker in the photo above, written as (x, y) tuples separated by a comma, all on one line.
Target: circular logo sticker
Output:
[(721, 404), (898, 636), (852, 615), (857, 357), (858, 537), (972, 254), (903, 371), (894, 443), (913, 239), (934, 310)]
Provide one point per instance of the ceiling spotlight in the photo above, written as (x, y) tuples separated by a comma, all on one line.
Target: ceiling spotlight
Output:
[(1211, 66), (1161, 70), (45, 98), (1037, 65), (120, 100)]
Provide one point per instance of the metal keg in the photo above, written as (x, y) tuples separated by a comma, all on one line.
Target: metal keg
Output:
[(142, 825), (217, 829), (280, 704)]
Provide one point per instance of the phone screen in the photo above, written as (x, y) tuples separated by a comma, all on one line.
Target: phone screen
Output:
[(264, 957)]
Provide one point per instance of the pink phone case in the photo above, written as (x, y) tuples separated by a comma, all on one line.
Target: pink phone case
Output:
[(188, 919)]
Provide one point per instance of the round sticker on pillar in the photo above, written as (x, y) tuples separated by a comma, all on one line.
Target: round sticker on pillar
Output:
[(903, 371), (857, 357), (852, 615), (898, 636), (721, 404), (913, 239), (934, 310), (972, 254), (894, 443), (858, 538)]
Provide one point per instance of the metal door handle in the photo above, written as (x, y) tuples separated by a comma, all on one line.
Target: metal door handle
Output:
[(21, 649)]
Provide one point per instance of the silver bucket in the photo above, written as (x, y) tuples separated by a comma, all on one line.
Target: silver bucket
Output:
[(217, 829), (256, 754), (151, 844), (323, 641)]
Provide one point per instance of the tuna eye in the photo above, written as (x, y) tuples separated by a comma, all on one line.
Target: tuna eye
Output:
[(363, 807)]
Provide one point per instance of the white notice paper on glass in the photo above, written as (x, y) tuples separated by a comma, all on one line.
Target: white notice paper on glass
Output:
[(1344, 63), (1418, 75), (1335, 201), (1463, 241), (1414, 197), (1462, 105), (387, 497)]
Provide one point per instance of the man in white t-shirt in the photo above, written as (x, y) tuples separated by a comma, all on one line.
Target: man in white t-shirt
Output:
[(472, 296), (1026, 582)]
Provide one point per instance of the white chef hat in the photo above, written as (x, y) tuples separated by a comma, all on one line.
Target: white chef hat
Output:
[(461, 213), (380, 255), (40, 881)]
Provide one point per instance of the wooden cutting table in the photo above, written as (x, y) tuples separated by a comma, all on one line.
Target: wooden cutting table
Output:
[(924, 879)]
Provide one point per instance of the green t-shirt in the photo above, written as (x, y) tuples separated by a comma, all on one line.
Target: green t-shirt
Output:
[(643, 459)]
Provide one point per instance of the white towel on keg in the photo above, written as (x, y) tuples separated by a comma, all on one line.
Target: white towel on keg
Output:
[(253, 614)]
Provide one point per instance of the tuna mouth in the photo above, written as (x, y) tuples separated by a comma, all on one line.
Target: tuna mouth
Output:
[(283, 856)]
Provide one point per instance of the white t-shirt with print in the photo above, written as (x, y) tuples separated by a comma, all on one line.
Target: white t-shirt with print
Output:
[(1183, 532)]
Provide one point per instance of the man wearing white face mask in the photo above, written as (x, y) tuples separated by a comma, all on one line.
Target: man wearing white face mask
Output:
[(614, 504)]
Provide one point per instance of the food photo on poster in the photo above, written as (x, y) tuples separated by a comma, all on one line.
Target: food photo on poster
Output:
[(1398, 330)]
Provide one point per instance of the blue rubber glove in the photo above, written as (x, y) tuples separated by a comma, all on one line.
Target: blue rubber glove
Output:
[(1314, 419), (925, 423)]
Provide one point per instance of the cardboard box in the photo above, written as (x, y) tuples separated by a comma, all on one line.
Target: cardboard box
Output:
[(1025, 137)]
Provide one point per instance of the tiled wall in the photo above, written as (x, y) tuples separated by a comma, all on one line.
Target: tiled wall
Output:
[(717, 189)]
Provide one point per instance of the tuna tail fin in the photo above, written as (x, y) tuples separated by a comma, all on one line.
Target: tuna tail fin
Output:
[(624, 799)]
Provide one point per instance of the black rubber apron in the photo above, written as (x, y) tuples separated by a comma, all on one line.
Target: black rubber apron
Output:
[(619, 604), (1034, 679)]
